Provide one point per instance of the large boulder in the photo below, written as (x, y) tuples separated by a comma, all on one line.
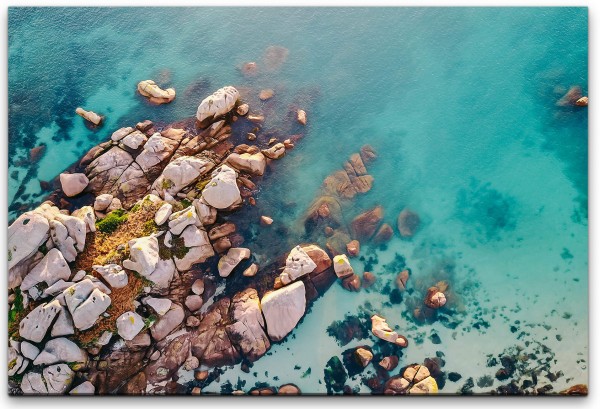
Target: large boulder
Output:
[(216, 105), (408, 223), (25, 236), (58, 378), (35, 325), (143, 255), (154, 93), (52, 268), (73, 183), (222, 191), (168, 322), (61, 350), (297, 264), (248, 328), (230, 261), (129, 324), (254, 164), (283, 309), (365, 225), (180, 173)]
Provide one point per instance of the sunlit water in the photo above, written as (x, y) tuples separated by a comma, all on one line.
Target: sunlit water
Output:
[(458, 103)]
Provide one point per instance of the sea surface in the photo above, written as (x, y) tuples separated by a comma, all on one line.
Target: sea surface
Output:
[(459, 103)]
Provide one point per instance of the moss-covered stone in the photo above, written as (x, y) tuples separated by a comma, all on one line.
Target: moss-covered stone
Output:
[(112, 221)]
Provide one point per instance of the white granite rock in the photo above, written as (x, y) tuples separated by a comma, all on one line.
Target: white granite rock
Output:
[(25, 236), (52, 268), (233, 257), (35, 325), (159, 305), (217, 104), (168, 322), (61, 350), (102, 202), (143, 255), (222, 191), (73, 183), (87, 214), (114, 275), (180, 173), (162, 274), (194, 237), (194, 255), (129, 325), (254, 164), (63, 325), (283, 308), (206, 213), (33, 384), (120, 134), (163, 213), (62, 240), (87, 312), (298, 263), (29, 350), (58, 378), (198, 287), (180, 220), (134, 140)]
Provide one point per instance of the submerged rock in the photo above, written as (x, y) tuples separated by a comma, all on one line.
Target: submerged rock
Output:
[(434, 298), (283, 309), (353, 248), (365, 225), (301, 117), (408, 223)]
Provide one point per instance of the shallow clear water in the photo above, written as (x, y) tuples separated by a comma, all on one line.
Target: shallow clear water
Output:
[(458, 103)]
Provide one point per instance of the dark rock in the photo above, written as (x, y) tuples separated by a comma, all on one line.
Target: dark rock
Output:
[(454, 376), (335, 375)]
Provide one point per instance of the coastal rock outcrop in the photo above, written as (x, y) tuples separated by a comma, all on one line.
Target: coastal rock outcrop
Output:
[(222, 191), (283, 309), (154, 93), (89, 116), (248, 328), (217, 105), (73, 183)]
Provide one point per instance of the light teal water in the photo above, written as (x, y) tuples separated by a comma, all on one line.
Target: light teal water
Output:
[(459, 103)]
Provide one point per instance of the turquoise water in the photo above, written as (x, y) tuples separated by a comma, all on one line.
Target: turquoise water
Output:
[(458, 103)]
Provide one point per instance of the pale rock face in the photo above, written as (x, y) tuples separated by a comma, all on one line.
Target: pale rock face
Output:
[(89, 116), (87, 312), (163, 213), (85, 388), (62, 240), (143, 255), (364, 356), (63, 325), (58, 378), (249, 325), (162, 274), (58, 287), (120, 134), (102, 202), (77, 293), (129, 325), (341, 266), (233, 257), (159, 305), (52, 268), (206, 213), (25, 236), (193, 302), (134, 140), (87, 214), (73, 183), (180, 220), (154, 93), (193, 237), (115, 204), (194, 255), (283, 309), (242, 109), (251, 271), (254, 164), (274, 152), (19, 364), (382, 330), (180, 173), (79, 276), (29, 351), (76, 229), (33, 384), (35, 325), (155, 151), (222, 191), (198, 287), (301, 117), (168, 322), (217, 104), (298, 263), (168, 240), (114, 275), (61, 350)]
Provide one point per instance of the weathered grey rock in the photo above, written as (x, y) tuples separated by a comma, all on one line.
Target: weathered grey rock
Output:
[(283, 309), (61, 350), (120, 134), (35, 325), (87, 214), (15, 360), (33, 384), (154, 93), (63, 325), (25, 236), (129, 325), (77, 294), (143, 255), (194, 237), (222, 191), (195, 255), (157, 150), (297, 264), (193, 302), (79, 276), (102, 202), (248, 328), (114, 275), (180, 173), (76, 229), (160, 305), (163, 213), (62, 240), (73, 183), (254, 164), (162, 274), (168, 322), (134, 140), (52, 268), (206, 213), (217, 104), (198, 287), (180, 220), (87, 312), (29, 350), (58, 378), (233, 257), (85, 388), (341, 266)]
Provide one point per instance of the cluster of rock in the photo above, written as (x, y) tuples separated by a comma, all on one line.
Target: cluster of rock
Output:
[(416, 379), (435, 298)]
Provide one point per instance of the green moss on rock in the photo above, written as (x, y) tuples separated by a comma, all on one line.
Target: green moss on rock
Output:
[(112, 221)]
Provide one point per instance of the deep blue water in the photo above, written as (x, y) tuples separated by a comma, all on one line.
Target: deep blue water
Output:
[(458, 102)]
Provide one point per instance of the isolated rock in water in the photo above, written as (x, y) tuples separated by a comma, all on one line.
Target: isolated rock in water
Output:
[(363, 356), (134, 140), (242, 109), (114, 275), (230, 261), (25, 236), (365, 225), (163, 213), (180, 220), (274, 152), (266, 221), (168, 322), (35, 325), (351, 283), (368, 279), (85, 388), (216, 105), (129, 325), (73, 183), (434, 298), (180, 173), (382, 330), (159, 305), (33, 384), (402, 279), (61, 350), (52, 268), (283, 309), (222, 191), (298, 263), (58, 378), (301, 117), (289, 389), (88, 216), (341, 266), (582, 102), (389, 363), (248, 325), (143, 255), (149, 89), (87, 313), (384, 234), (408, 223), (89, 116), (206, 213), (571, 97), (102, 202), (254, 164)]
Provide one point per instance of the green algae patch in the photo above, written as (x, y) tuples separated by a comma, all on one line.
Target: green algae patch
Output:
[(112, 221)]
